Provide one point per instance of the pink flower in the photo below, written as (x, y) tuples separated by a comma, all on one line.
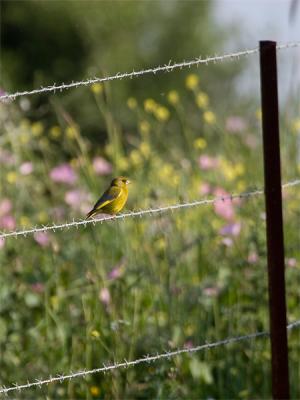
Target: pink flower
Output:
[(205, 188), (104, 296), (76, 198), (224, 208), (2, 243), (63, 173), (38, 287), (42, 238), (231, 229), (206, 162), (115, 273), (8, 222), (291, 262), (211, 291), (235, 124), (5, 206), (252, 257), (102, 166), (227, 241), (26, 168), (188, 344)]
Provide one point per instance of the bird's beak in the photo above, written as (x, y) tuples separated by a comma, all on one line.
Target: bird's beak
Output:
[(128, 182)]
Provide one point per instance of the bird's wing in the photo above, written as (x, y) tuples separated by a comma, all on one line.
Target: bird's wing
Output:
[(107, 197)]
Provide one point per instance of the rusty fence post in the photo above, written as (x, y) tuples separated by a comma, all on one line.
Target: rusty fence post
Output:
[(274, 224)]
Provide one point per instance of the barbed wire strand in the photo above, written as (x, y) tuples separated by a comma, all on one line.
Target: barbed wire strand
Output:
[(147, 359), (140, 213), (165, 68)]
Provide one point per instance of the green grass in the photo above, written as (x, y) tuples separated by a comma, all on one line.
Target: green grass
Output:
[(178, 282)]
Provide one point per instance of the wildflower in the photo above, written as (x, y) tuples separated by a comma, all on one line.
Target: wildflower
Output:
[(224, 208), (173, 97), (202, 100), (37, 129), (227, 241), (150, 105), (5, 206), (42, 238), (102, 166), (162, 113), (296, 125), (206, 162), (200, 143), (131, 103), (235, 124), (11, 177), (95, 391), (63, 173), (7, 222), (252, 257), (205, 188), (231, 229), (55, 131), (71, 132), (37, 287), (26, 168), (291, 262), (76, 198), (24, 221), (209, 117), (192, 81), (97, 87), (104, 296), (212, 291), (116, 272), (144, 127), (95, 333)]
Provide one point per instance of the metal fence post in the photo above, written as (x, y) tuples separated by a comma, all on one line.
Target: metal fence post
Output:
[(273, 201)]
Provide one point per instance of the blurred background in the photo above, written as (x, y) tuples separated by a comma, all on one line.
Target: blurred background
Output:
[(74, 299)]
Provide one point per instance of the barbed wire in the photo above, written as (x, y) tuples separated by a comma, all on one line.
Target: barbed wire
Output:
[(146, 359), (141, 213), (165, 68)]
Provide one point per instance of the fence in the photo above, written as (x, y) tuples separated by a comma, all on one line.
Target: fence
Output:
[(272, 192)]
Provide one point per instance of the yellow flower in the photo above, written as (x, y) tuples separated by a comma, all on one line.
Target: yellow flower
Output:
[(258, 114), (200, 143), (166, 171), (95, 391), (24, 221), (296, 125), (11, 177), (189, 330), (24, 138), (145, 149), (55, 131), (173, 97), (192, 81), (209, 117), (144, 127), (202, 100), (71, 132), (150, 105), (95, 333), (97, 88), (131, 103), (162, 113), (37, 129), (42, 217), (135, 157)]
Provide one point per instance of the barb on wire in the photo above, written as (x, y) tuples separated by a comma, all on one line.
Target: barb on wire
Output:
[(165, 68), (141, 213), (147, 359)]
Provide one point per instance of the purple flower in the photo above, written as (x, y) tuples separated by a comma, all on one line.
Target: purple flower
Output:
[(42, 238), (233, 229), (8, 222), (76, 198), (26, 168), (104, 296), (5, 206), (235, 124), (102, 166), (63, 173), (115, 273)]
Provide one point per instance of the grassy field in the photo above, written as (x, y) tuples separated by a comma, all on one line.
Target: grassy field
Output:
[(73, 299)]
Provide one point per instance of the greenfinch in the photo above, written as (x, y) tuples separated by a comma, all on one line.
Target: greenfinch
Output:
[(113, 199)]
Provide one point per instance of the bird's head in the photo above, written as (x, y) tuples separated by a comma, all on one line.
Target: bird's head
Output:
[(120, 181)]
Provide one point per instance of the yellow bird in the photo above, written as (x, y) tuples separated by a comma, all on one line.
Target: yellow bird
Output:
[(113, 199)]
